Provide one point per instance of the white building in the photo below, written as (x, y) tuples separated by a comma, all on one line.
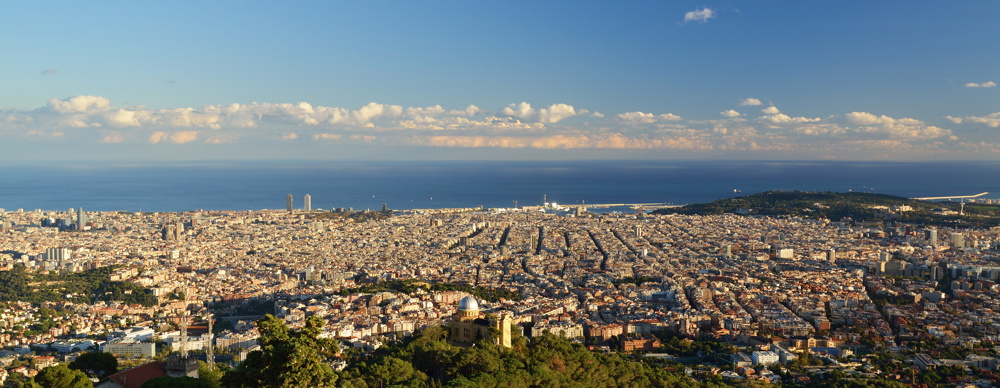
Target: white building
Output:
[(131, 348), (192, 343), (764, 358)]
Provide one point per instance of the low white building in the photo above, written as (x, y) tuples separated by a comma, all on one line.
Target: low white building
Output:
[(764, 358), (131, 348)]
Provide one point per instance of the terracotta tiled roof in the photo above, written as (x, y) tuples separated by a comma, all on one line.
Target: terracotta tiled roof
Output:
[(135, 377)]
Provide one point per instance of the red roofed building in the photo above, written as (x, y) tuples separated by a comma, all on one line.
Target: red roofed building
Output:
[(135, 377)]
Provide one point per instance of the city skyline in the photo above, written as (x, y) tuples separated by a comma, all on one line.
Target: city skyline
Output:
[(449, 80)]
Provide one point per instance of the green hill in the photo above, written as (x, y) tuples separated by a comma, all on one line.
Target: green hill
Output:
[(837, 206)]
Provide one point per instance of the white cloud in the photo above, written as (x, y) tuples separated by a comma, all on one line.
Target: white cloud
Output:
[(363, 138), (223, 138), (181, 137), (113, 137), (327, 136), (522, 110), (470, 110), (987, 84), (991, 120), (79, 104), (157, 137), (570, 141), (126, 118), (865, 118), (93, 119), (552, 114), (783, 119), (556, 113), (902, 128), (373, 110), (699, 15), (646, 118)]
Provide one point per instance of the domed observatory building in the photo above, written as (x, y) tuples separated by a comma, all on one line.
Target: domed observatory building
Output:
[(470, 325)]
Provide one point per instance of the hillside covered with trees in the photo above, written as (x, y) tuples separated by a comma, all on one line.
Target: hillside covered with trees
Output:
[(836, 206), (19, 285)]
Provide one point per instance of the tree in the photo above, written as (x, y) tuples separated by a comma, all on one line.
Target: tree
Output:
[(61, 376), (17, 380), (211, 376), (175, 382), (287, 358), (96, 364)]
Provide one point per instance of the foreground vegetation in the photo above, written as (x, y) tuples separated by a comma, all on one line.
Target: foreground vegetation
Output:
[(290, 358), (303, 358)]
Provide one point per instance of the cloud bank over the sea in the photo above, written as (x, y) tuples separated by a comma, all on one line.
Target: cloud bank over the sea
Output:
[(745, 129)]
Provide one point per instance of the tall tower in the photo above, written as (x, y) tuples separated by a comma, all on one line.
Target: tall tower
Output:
[(307, 203), (182, 365), (184, 336), (209, 351), (80, 219), (289, 200)]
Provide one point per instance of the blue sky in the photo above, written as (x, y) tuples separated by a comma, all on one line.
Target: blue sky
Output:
[(897, 80)]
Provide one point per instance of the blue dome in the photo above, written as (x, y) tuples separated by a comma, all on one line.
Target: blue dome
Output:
[(468, 304)]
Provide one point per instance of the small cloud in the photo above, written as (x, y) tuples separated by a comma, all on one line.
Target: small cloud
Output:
[(556, 113), (79, 104), (471, 110), (646, 118), (182, 137), (113, 137), (750, 102), (290, 136), (327, 136), (364, 138), (553, 114), (865, 118), (50, 72), (987, 84), (991, 120), (699, 15), (783, 119), (157, 137), (730, 113), (170, 81), (771, 110)]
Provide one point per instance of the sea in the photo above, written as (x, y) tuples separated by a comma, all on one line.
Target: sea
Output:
[(258, 185)]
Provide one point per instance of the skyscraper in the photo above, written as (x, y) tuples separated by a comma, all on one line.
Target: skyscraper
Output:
[(308, 203), (289, 200), (80, 219)]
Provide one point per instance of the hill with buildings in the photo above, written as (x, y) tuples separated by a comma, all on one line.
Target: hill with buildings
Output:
[(851, 205)]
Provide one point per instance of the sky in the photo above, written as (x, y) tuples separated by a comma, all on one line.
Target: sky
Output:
[(408, 80)]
